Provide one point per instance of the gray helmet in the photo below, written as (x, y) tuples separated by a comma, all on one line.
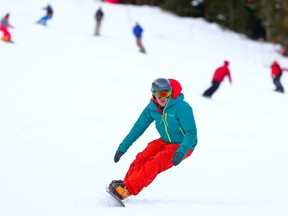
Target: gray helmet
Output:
[(161, 84)]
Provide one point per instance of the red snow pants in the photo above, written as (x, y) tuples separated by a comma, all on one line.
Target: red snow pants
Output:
[(156, 158), (6, 33)]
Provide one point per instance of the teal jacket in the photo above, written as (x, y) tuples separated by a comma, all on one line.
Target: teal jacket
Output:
[(175, 125)]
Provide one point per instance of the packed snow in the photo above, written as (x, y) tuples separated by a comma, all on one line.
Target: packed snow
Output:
[(68, 98)]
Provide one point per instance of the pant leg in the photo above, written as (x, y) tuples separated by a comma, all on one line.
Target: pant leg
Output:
[(152, 148), (139, 44), (97, 30), (153, 164), (6, 33), (41, 20), (1, 29), (44, 19), (278, 84), (210, 91)]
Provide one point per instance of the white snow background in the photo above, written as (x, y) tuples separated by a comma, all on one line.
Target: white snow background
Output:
[(68, 98)]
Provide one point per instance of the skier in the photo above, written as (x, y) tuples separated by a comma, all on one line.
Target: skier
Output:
[(218, 77), (49, 14), (98, 17), (276, 73), (137, 31), (178, 137), (4, 25)]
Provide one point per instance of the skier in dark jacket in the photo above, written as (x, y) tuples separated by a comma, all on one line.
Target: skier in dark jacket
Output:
[(137, 31), (276, 73), (176, 126), (49, 14), (218, 78), (98, 17), (4, 25)]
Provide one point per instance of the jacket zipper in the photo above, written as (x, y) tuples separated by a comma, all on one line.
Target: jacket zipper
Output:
[(180, 129), (164, 118)]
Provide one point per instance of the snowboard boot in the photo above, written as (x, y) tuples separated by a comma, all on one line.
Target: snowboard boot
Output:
[(279, 90), (206, 96), (6, 39), (118, 188)]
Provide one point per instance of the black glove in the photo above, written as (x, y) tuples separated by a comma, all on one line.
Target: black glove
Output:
[(177, 158), (118, 155)]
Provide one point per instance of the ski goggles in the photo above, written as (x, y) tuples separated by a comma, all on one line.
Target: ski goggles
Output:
[(162, 94)]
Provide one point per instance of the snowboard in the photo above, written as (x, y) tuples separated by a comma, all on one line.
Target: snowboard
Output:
[(118, 201)]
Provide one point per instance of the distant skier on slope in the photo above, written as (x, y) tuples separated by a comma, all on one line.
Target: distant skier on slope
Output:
[(218, 78), (4, 25), (138, 31), (276, 73), (49, 14), (178, 137), (98, 17)]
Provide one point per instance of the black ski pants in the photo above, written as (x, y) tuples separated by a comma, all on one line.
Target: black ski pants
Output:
[(277, 83), (210, 91)]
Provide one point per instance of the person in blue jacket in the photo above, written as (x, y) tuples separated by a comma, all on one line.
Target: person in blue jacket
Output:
[(176, 126), (137, 31)]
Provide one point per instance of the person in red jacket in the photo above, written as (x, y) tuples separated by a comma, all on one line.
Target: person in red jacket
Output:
[(4, 25), (276, 73), (218, 77)]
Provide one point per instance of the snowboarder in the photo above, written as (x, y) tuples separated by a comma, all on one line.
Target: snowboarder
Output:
[(137, 31), (276, 73), (4, 25), (49, 14), (218, 77), (178, 137), (98, 17)]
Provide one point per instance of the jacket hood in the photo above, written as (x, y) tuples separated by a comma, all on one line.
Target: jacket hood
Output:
[(176, 88)]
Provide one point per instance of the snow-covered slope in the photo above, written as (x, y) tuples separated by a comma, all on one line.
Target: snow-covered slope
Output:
[(68, 98)]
